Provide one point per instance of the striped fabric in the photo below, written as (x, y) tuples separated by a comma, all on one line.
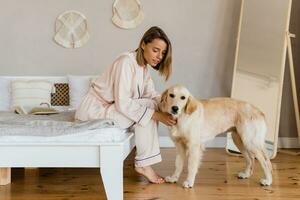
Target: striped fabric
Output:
[(31, 92)]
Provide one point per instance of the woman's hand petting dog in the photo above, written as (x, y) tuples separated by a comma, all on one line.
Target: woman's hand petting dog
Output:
[(165, 118)]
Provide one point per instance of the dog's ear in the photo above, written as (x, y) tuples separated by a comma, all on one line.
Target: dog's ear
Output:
[(191, 105), (164, 96), (163, 100)]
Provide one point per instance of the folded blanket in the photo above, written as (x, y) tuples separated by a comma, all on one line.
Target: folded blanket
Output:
[(12, 124)]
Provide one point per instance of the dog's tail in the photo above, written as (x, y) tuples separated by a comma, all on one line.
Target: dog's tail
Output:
[(267, 159), (261, 132), (254, 138)]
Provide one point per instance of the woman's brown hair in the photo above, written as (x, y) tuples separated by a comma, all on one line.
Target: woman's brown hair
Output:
[(165, 66)]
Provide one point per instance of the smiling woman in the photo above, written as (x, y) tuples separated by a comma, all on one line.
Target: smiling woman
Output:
[(125, 92)]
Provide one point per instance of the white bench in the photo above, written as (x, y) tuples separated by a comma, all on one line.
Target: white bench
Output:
[(108, 156)]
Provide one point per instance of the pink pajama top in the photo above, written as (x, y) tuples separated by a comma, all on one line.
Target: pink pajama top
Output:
[(122, 86)]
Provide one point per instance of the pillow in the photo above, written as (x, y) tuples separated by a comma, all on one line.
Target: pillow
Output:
[(4, 93), (31, 92), (78, 88), (61, 95)]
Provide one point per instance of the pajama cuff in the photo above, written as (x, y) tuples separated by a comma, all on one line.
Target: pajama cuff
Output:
[(146, 116), (148, 161)]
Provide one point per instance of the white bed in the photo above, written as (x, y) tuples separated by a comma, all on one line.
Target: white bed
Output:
[(88, 149)]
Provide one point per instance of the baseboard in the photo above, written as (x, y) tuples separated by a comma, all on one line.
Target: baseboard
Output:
[(288, 143), (220, 142)]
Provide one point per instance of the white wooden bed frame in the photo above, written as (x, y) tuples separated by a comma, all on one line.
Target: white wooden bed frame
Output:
[(109, 156)]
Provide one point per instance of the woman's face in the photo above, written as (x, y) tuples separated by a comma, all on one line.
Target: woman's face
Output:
[(154, 51)]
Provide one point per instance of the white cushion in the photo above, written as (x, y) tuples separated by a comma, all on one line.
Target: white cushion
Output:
[(4, 93), (78, 88), (30, 92)]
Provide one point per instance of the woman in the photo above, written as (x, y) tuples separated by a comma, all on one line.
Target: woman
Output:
[(125, 93)]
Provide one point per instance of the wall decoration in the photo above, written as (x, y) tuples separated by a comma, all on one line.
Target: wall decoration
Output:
[(127, 14), (71, 30)]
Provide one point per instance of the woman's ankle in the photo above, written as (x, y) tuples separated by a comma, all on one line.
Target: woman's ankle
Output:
[(150, 174)]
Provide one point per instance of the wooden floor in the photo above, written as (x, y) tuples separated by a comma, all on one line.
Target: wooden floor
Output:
[(216, 180)]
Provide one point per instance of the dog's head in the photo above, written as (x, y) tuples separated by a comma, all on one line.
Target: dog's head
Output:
[(177, 100)]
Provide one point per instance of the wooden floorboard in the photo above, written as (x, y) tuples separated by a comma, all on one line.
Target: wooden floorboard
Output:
[(216, 180)]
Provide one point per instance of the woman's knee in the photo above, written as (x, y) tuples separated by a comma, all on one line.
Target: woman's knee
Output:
[(150, 103)]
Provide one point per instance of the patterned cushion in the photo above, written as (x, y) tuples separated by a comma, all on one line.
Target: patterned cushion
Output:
[(61, 95)]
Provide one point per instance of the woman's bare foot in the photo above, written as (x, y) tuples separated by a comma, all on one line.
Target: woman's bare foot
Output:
[(150, 174)]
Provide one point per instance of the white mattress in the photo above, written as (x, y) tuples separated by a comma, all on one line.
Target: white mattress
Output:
[(58, 128), (104, 135)]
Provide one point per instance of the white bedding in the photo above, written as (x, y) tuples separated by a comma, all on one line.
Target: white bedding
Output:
[(60, 127), (103, 135)]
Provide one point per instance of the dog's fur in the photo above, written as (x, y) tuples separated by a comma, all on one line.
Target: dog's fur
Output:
[(201, 120)]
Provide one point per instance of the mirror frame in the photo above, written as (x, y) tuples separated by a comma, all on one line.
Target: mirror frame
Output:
[(230, 146)]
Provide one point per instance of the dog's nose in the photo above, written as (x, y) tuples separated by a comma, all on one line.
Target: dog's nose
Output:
[(175, 109)]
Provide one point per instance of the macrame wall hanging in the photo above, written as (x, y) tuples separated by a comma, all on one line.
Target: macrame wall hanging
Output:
[(127, 14), (71, 30)]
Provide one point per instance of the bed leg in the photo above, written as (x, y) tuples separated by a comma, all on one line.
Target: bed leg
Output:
[(5, 176), (111, 168)]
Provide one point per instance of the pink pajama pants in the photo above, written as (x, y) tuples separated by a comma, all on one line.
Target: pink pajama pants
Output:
[(146, 137)]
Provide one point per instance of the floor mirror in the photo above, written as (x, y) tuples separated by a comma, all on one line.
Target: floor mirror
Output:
[(260, 61)]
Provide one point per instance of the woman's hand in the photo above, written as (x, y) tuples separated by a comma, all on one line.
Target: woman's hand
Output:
[(164, 118)]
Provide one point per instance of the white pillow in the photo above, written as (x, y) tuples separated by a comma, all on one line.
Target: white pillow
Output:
[(78, 88), (4, 93), (31, 93)]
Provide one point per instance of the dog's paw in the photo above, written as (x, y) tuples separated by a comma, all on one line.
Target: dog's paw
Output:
[(265, 182), (171, 179), (242, 175), (187, 184)]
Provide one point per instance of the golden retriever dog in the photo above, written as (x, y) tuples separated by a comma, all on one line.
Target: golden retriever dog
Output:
[(199, 121)]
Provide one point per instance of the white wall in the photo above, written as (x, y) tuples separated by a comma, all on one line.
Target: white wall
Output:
[(202, 32)]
